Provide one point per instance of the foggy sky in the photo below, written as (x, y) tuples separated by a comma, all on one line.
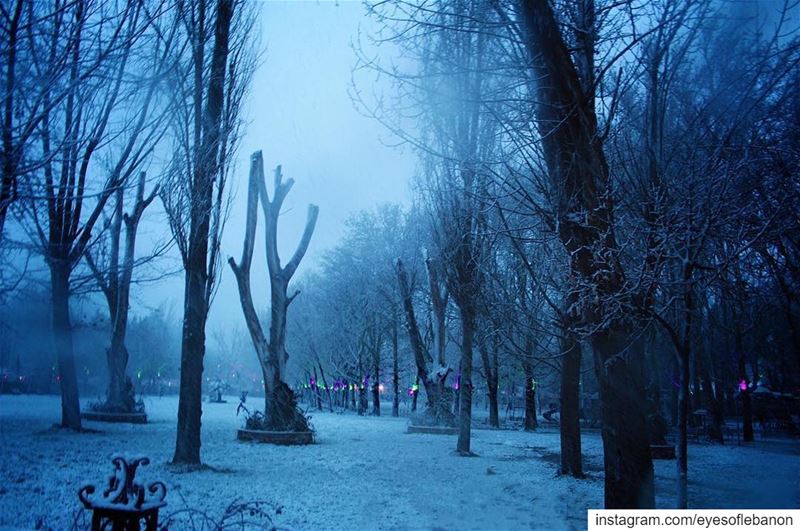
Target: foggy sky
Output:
[(299, 114)]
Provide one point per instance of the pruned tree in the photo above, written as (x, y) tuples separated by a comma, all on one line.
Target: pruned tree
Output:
[(430, 373), (439, 300), (114, 275), (280, 409), (103, 116)]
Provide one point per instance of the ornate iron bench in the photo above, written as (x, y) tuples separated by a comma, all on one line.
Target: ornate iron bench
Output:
[(125, 505)]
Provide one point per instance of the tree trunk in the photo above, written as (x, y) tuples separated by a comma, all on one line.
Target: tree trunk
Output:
[(712, 403), (395, 373), (683, 423), (328, 388), (496, 382), (650, 372), (626, 447), (187, 444), (362, 399), (118, 313), (281, 411), (494, 410), (439, 298), (415, 394), (569, 425), (684, 359), (196, 290), (674, 394), (457, 394), (317, 394), (421, 356), (432, 380), (8, 181), (376, 387), (193, 347), (578, 174), (490, 370), (116, 284), (465, 386), (747, 403), (62, 335), (117, 358), (531, 422)]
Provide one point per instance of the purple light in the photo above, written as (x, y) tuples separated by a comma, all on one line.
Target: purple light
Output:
[(743, 385)]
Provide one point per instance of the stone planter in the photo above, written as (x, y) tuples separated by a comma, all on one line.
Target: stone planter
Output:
[(109, 416), (276, 437), (662, 451), (436, 430)]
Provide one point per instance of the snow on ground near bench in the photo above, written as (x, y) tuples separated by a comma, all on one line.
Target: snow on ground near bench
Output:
[(364, 472)]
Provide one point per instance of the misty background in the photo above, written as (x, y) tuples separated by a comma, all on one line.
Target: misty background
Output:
[(300, 113), (573, 215)]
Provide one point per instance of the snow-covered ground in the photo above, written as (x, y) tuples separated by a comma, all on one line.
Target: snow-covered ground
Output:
[(363, 472)]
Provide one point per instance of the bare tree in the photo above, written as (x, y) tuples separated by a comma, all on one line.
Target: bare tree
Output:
[(429, 372), (114, 276), (439, 301), (351, 313), (94, 120), (579, 176), (33, 85), (211, 73), (280, 411), (700, 214)]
